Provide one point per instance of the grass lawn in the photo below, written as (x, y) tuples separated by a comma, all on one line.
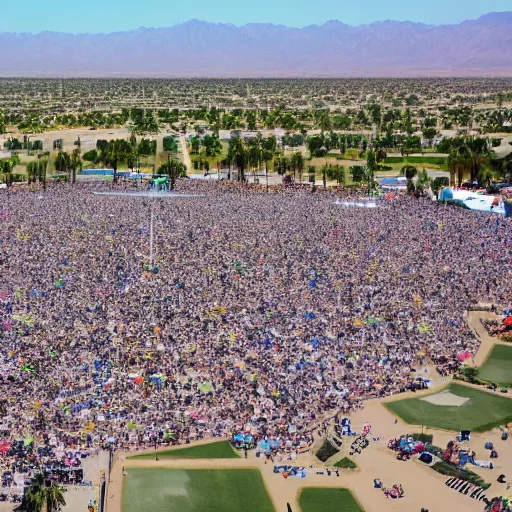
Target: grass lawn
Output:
[(346, 463), (498, 367), (326, 500), (218, 450), (199, 490), (483, 411)]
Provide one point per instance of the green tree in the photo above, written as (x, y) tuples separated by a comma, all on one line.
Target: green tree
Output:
[(195, 145), (316, 146), (174, 169), (115, 153), (237, 155), (3, 122), (7, 165), (429, 134), (63, 163), (460, 160), (212, 145), (39, 497), (75, 164), (91, 156), (297, 164), (409, 171)]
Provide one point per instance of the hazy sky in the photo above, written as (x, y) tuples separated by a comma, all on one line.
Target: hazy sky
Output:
[(115, 15)]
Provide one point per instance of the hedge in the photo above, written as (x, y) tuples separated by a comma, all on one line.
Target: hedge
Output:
[(423, 438), (463, 474), (433, 160)]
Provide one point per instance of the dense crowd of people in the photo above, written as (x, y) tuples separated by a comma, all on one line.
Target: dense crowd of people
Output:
[(261, 312)]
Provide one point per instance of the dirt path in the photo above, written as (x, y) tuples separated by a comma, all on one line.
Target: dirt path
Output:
[(487, 342), (424, 488), (186, 156)]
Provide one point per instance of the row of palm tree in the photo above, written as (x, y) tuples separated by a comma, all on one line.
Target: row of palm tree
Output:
[(36, 171), (112, 154), (69, 163), (254, 153), (7, 166), (469, 154)]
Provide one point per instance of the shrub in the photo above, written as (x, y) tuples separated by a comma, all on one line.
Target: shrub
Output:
[(423, 438), (91, 156), (346, 463), (326, 451), (18, 178), (463, 474), (470, 372), (440, 182)]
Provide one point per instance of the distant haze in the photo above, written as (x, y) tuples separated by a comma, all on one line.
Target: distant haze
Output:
[(480, 47)]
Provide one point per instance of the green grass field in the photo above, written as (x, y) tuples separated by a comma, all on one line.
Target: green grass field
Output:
[(483, 411), (218, 450), (498, 367), (326, 500), (165, 490)]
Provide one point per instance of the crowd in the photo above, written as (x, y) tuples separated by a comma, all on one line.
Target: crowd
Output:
[(262, 313)]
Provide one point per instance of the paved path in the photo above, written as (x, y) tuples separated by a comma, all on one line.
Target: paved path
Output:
[(487, 342), (186, 156)]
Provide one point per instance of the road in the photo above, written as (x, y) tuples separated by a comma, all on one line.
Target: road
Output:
[(186, 156)]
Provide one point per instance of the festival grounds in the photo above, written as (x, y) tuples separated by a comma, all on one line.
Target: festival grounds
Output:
[(214, 477)]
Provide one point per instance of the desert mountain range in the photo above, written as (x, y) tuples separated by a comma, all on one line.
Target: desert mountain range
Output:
[(481, 47)]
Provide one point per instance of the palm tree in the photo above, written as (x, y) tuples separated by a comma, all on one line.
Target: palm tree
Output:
[(254, 158), (35, 497), (63, 162), (7, 165), (297, 163), (116, 151), (75, 163), (460, 160), (39, 497), (237, 153), (174, 169), (55, 498)]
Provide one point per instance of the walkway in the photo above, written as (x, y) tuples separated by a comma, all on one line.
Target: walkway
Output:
[(487, 342), (186, 156)]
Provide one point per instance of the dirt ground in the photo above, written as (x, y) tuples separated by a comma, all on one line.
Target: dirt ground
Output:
[(424, 488)]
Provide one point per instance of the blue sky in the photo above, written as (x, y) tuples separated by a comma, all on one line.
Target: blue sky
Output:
[(115, 15)]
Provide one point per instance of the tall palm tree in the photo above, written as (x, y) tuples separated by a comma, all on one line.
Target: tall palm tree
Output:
[(116, 152), (460, 160), (7, 165), (55, 498), (254, 158), (75, 164), (40, 498), (297, 163), (35, 497), (63, 163), (237, 154)]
